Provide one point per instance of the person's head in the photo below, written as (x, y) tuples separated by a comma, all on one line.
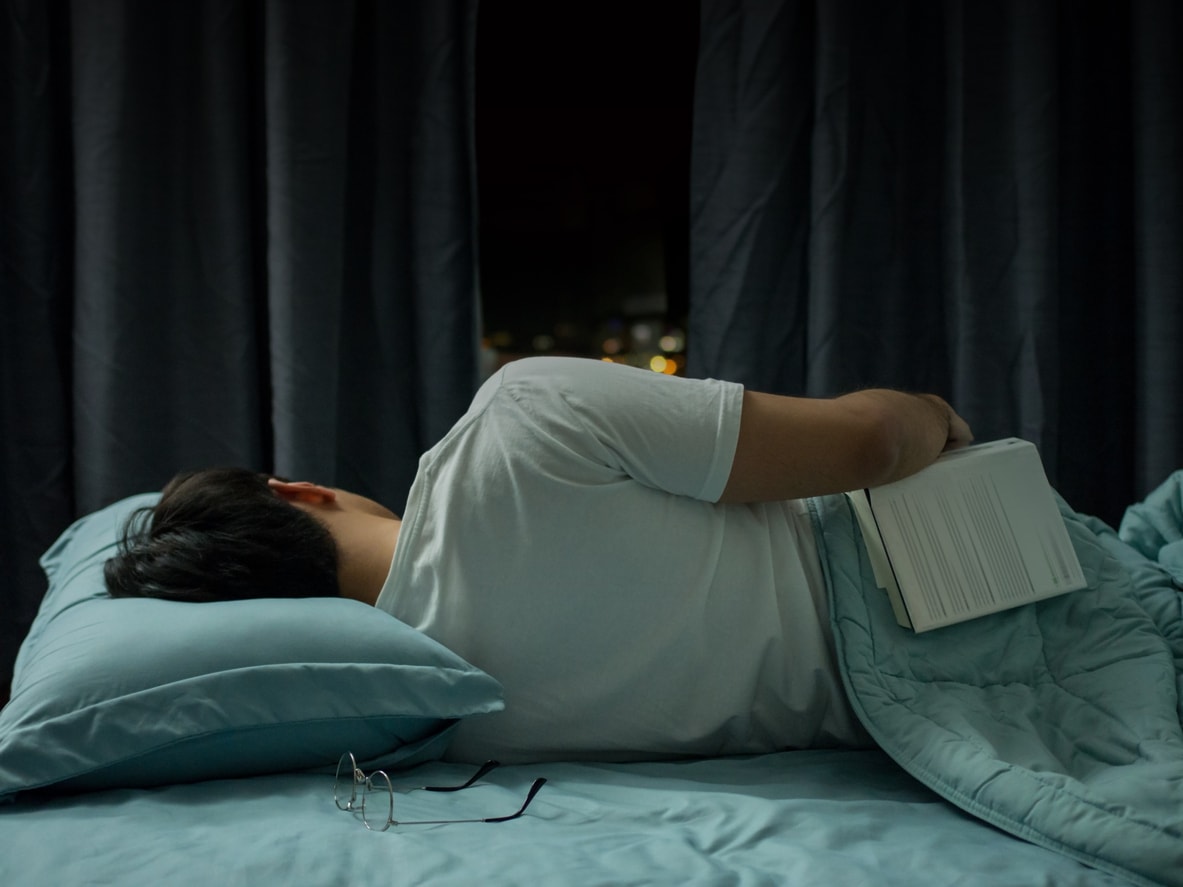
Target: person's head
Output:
[(224, 534)]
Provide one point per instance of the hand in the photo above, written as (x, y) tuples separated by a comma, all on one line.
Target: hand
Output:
[(958, 434)]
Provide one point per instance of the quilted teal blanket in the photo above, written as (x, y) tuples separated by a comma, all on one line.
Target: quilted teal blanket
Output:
[(1058, 722)]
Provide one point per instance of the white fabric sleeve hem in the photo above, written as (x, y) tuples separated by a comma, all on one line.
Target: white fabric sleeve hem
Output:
[(730, 412)]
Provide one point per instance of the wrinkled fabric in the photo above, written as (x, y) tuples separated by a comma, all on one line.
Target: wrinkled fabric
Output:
[(813, 817), (1058, 722), (1155, 527)]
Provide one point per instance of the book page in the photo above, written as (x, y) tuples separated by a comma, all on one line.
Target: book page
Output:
[(877, 555), (976, 532)]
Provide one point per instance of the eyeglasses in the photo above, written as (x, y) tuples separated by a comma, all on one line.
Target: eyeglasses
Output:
[(372, 795)]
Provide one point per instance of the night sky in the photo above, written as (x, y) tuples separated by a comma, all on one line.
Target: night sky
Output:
[(583, 152)]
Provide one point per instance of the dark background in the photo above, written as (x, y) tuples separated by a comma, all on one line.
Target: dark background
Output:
[(273, 234), (583, 151)]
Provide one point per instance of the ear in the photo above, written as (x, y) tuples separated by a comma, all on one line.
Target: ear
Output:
[(302, 492)]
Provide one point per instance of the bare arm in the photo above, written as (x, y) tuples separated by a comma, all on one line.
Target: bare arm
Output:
[(792, 447)]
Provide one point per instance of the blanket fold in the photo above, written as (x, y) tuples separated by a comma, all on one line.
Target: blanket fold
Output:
[(1058, 722)]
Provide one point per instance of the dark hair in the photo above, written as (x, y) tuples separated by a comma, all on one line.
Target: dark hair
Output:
[(223, 534)]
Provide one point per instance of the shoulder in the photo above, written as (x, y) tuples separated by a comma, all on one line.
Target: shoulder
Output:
[(556, 373), (519, 395), (538, 386), (575, 378)]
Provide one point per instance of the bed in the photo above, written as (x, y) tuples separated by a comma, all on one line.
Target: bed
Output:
[(156, 743)]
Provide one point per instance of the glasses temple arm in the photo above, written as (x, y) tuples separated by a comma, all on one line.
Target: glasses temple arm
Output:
[(534, 789), (485, 768)]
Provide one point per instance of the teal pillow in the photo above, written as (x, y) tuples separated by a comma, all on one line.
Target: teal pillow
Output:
[(119, 693)]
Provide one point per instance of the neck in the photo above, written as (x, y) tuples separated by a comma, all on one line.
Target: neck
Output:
[(365, 548)]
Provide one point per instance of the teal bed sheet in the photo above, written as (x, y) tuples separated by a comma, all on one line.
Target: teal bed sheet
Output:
[(808, 818)]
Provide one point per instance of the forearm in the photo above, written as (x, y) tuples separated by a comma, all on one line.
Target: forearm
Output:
[(915, 429), (795, 447)]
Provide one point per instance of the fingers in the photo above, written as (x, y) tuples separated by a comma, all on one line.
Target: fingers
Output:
[(959, 434)]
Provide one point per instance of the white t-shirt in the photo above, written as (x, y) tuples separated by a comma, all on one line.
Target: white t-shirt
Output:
[(563, 537)]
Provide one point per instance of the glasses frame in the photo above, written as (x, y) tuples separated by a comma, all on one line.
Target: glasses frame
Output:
[(379, 781)]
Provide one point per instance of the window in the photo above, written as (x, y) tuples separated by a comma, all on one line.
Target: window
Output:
[(583, 155)]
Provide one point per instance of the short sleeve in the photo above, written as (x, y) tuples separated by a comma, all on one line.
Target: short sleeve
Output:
[(669, 433)]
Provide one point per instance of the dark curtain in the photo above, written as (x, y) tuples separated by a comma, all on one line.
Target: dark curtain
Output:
[(978, 199), (231, 232)]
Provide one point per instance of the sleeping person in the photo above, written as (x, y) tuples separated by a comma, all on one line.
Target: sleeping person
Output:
[(628, 553)]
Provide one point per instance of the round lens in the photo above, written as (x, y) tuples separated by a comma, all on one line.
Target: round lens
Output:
[(377, 802), (345, 784)]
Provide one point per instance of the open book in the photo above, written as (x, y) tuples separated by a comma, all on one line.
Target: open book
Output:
[(976, 532)]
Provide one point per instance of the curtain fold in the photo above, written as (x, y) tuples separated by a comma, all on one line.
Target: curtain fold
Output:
[(1157, 108), (36, 279), (233, 233), (981, 200)]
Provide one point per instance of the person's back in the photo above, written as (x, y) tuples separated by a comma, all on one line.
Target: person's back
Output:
[(564, 538), (620, 548)]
